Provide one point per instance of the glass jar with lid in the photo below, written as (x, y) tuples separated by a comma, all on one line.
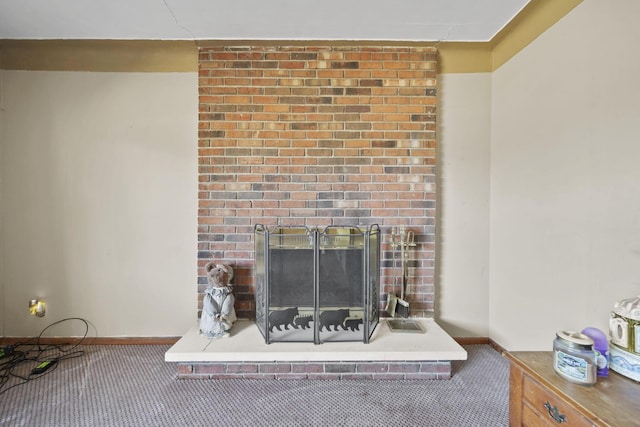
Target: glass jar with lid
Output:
[(574, 358)]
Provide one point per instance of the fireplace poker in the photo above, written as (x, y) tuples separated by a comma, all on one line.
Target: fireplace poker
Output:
[(402, 307), (392, 299)]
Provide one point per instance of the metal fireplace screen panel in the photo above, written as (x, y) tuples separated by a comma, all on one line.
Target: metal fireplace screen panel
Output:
[(317, 286), (260, 281), (341, 277), (372, 295)]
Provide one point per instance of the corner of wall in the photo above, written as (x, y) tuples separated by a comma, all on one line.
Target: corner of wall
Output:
[(482, 57), (2, 307), (534, 19)]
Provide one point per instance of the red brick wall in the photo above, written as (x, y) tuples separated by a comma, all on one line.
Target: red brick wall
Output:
[(316, 136), (345, 370)]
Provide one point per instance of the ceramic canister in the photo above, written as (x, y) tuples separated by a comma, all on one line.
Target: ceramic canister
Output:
[(624, 324)]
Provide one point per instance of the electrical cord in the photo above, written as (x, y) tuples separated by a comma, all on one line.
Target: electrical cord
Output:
[(29, 360)]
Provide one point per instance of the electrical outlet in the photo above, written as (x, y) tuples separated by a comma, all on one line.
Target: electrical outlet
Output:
[(37, 307)]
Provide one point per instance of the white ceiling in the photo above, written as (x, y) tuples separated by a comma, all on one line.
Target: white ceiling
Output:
[(417, 20)]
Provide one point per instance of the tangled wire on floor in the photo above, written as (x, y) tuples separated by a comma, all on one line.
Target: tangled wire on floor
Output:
[(29, 360)]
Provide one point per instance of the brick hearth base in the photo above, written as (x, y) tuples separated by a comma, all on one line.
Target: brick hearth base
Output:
[(389, 355)]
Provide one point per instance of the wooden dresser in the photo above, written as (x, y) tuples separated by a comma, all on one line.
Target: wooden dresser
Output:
[(540, 397)]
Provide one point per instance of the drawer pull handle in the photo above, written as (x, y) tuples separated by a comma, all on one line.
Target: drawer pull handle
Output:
[(555, 413)]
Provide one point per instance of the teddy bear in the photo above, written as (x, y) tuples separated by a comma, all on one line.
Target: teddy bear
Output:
[(218, 313)]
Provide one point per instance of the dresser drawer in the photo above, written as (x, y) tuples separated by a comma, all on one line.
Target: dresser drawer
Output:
[(533, 418), (548, 407)]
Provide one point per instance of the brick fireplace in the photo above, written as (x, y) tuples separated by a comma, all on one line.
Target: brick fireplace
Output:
[(317, 136)]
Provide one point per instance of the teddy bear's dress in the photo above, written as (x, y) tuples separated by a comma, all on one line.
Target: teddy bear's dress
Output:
[(218, 313)]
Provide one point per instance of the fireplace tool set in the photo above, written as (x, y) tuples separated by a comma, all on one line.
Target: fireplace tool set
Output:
[(401, 241), (398, 306)]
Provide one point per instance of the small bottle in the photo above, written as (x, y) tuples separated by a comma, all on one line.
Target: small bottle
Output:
[(574, 358), (601, 346)]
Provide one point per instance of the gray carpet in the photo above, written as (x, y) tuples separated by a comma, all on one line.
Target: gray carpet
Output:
[(133, 386)]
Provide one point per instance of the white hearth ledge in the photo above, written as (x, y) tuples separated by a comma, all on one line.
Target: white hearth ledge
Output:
[(246, 344)]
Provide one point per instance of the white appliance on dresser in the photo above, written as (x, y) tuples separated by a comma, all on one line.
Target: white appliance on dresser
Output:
[(624, 330)]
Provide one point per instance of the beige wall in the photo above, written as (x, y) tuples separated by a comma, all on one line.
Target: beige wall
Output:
[(99, 201), (565, 192), (462, 285), (2, 204)]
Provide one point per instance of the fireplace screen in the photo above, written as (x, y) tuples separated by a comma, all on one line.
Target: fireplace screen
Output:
[(317, 285)]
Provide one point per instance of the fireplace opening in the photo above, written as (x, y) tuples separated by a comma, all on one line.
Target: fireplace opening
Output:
[(315, 285)]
